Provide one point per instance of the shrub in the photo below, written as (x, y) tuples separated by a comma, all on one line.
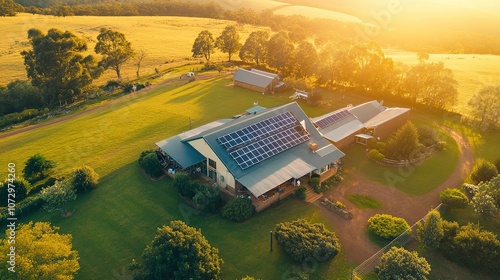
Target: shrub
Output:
[(307, 242), (14, 118), (399, 263), (470, 189), (483, 171), (315, 183), (36, 189), (386, 226), (238, 210), (85, 179), (375, 155), (427, 135), (37, 167), (334, 180), (149, 162), (183, 185), (21, 188), (453, 198), (206, 197), (25, 207), (301, 193)]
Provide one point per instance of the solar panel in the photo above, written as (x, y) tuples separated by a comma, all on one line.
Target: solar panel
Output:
[(332, 119), (257, 131), (262, 149)]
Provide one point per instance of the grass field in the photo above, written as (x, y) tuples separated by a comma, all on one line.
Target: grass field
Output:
[(413, 180), (167, 40), (472, 71), (364, 201), (114, 223)]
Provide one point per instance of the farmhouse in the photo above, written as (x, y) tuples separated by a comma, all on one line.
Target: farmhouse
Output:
[(360, 123), (257, 80), (261, 156)]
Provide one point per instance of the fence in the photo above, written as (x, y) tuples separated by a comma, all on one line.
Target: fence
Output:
[(368, 265)]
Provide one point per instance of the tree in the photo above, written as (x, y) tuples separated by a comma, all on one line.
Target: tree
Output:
[(21, 188), (484, 108), (18, 96), (307, 242), (179, 251), (483, 171), (430, 84), (403, 144), (280, 51), (399, 263), (203, 45), (55, 65), (255, 47), (37, 167), (484, 204), (386, 226), (422, 56), (430, 231), (229, 41), (476, 248), (238, 210), (492, 187), (57, 197), (141, 55), (85, 179), (453, 198), (41, 253), (306, 59), (115, 48), (183, 185), (9, 8)]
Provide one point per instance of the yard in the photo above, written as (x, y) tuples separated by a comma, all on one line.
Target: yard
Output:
[(113, 224)]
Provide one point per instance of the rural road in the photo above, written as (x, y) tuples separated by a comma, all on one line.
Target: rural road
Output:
[(352, 233)]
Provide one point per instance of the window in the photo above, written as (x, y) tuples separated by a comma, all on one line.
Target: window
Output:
[(212, 164)]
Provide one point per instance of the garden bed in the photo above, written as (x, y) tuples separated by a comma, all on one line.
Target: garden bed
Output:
[(336, 207)]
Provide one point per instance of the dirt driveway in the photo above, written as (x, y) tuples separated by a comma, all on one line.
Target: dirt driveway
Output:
[(352, 233)]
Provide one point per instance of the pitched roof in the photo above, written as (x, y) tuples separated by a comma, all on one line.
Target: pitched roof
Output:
[(273, 75), (385, 116), (252, 78), (367, 110), (279, 163), (184, 154)]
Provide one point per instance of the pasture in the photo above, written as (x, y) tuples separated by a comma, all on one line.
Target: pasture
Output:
[(166, 40)]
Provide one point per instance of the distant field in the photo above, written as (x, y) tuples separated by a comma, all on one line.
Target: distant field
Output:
[(165, 39), (472, 71)]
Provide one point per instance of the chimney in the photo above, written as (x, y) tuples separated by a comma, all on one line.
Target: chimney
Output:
[(313, 147)]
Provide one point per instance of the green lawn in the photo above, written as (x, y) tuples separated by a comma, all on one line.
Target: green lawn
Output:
[(413, 180), (364, 201), (113, 224)]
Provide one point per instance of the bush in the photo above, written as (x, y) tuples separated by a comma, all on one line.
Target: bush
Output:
[(375, 155), (85, 179), (37, 167), (427, 135), (25, 207), (483, 171), (36, 189), (149, 162), (334, 180), (307, 242), (183, 185), (21, 188), (399, 263), (315, 183), (206, 197), (386, 226), (301, 193), (238, 210), (14, 118), (453, 198)]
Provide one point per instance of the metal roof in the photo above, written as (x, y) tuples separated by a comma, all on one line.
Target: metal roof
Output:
[(281, 170), (342, 129), (183, 153), (273, 75), (385, 116), (252, 78), (255, 109), (301, 151), (366, 111)]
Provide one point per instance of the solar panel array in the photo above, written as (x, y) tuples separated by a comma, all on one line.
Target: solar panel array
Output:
[(265, 148), (257, 142), (256, 131), (333, 119)]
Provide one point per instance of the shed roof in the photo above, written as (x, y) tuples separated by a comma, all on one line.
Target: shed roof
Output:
[(252, 78), (273, 75)]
